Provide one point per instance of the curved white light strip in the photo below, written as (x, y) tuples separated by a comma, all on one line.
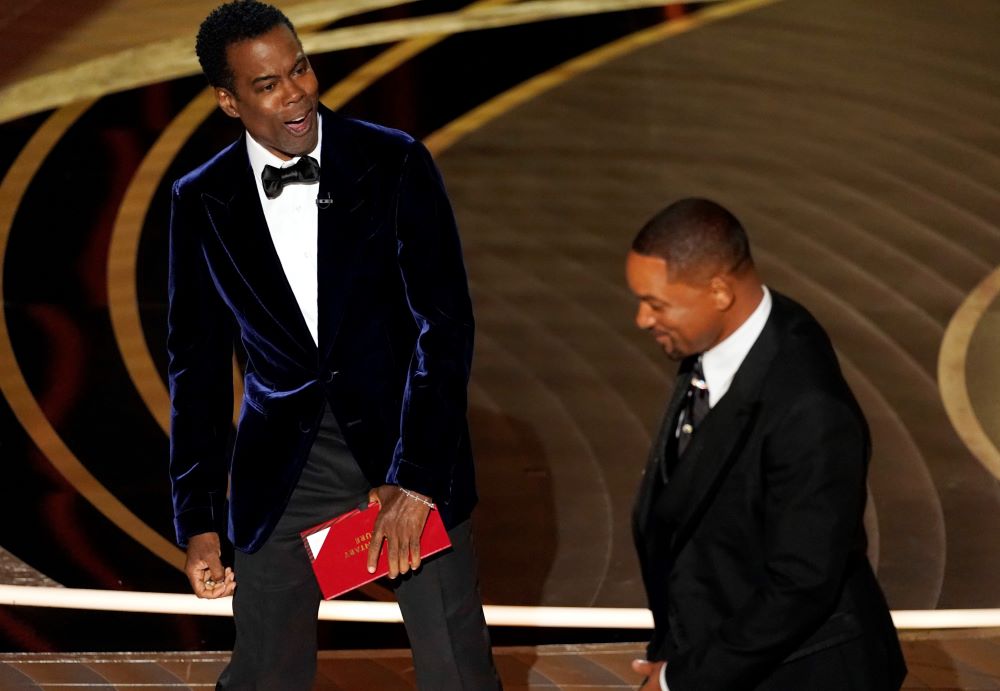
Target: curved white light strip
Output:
[(388, 612)]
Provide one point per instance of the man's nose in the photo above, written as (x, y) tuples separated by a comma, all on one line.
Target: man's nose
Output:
[(643, 316), (295, 93)]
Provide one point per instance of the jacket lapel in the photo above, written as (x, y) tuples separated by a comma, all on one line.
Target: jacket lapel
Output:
[(234, 208), (345, 179), (717, 443)]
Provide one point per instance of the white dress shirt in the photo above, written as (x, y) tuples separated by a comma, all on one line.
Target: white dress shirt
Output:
[(293, 219), (720, 364)]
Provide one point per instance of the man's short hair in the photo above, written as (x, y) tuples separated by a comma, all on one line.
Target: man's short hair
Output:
[(231, 23), (697, 238)]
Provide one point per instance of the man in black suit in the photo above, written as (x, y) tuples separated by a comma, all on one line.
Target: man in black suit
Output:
[(329, 247), (748, 521)]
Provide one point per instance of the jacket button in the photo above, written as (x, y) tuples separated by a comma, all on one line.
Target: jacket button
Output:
[(303, 427), (330, 375)]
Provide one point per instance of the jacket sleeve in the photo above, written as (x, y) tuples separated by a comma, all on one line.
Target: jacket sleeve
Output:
[(814, 465), (199, 345), (433, 428)]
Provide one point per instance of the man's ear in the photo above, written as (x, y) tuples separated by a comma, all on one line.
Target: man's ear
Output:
[(722, 293), (227, 101)]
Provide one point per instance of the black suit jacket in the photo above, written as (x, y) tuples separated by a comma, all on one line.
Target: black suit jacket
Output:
[(395, 335), (753, 552)]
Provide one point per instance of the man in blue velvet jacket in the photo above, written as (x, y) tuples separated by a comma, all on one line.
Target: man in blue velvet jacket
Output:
[(328, 246)]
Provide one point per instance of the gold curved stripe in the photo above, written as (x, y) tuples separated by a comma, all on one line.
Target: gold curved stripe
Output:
[(448, 135), (152, 63), (172, 59), (465, 21), (385, 62), (951, 372), (15, 388), (309, 15), (123, 300), (123, 250)]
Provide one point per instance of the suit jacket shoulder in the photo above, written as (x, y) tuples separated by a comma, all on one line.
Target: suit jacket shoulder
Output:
[(805, 362), (216, 170), (366, 135), (353, 147)]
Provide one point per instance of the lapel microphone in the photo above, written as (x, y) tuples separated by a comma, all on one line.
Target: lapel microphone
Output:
[(324, 202)]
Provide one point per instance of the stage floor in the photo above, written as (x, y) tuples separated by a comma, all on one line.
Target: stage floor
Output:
[(956, 661)]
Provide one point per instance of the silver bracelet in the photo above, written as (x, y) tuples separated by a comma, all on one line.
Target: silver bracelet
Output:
[(417, 497)]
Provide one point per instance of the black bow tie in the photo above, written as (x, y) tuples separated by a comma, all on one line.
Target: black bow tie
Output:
[(306, 169)]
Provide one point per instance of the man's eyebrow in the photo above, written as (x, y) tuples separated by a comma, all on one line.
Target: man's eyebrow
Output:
[(265, 77)]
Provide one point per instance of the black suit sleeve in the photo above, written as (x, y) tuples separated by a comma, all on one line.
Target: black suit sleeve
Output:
[(814, 462), (200, 346), (433, 428)]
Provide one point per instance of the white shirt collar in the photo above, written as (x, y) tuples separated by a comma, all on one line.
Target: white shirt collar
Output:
[(260, 157), (721, 362)]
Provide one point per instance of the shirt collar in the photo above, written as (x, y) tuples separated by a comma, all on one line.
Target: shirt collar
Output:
[(260, 157), (721, 362)]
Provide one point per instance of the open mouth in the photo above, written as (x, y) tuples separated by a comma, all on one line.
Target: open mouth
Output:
[(299, 125)]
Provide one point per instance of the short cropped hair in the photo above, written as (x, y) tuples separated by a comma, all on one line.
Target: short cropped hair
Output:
[(697, 238), (231, 23)]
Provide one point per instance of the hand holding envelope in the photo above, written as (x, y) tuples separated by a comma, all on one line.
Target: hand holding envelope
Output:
[(339, 548), (400, 523)]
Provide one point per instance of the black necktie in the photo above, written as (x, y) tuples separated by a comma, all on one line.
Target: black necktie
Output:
[(694, 409), (306, 169)]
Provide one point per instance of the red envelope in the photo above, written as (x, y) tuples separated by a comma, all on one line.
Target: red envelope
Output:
[(338, 548)]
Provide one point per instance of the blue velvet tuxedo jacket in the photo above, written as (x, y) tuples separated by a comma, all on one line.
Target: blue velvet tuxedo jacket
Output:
[(395, 335), (753, 552)]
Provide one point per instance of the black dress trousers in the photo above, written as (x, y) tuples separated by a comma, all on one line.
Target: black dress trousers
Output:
[(277, 598)]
